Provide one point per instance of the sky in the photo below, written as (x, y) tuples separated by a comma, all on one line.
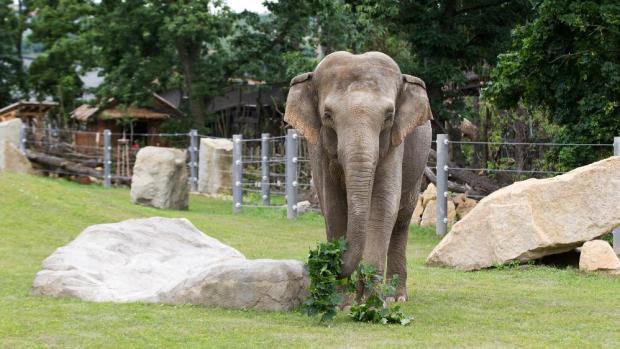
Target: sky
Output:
[(250, 5)]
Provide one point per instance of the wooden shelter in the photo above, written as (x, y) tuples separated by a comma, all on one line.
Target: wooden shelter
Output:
[(136, 123), (31, 112)]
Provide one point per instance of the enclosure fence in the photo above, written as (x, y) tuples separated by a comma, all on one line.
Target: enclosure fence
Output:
[(266, 172)]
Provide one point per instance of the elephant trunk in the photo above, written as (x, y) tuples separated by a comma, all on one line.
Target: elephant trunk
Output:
[(359, 169)]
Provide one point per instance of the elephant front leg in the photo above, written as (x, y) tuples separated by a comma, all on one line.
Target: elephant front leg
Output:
[(384, 209), (397, 258)]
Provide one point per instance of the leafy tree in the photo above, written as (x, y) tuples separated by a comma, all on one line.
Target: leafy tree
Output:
[(447, 38), (59, 26), (567, 61), (9, 60)]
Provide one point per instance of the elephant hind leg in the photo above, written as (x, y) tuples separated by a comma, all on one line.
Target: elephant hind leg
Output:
[(397, 258)]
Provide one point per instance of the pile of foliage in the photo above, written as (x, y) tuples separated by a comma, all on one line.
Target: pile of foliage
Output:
[(326, 287)]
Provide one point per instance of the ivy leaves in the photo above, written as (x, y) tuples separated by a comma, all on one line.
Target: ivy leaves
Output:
[(325, 266), (373, 310)]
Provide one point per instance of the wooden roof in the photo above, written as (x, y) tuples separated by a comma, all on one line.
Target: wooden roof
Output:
[(26, 109), (163, 110)]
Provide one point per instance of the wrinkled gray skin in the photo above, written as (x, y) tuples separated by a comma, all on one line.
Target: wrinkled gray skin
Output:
[(368, 127)]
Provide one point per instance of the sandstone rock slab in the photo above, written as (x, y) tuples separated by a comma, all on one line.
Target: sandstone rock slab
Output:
[(161, 260), (215, 165), (10, 131), (12, 160), (463, 205), (160, 178), (430, 193), (429, 217), (598, 255), (534, 218)]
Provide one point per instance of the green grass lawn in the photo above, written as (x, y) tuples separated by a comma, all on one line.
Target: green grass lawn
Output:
[(512, 307)]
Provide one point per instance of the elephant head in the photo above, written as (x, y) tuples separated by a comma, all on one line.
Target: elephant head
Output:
[(358, 108)]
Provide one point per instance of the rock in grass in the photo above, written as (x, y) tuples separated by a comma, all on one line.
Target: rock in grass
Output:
[(534, 218), (215, 165), (598, 255), (160, 178), (11, 159), (161, 260)]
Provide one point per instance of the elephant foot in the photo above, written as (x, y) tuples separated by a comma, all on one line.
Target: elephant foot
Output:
[(390, 300), (345, 305)]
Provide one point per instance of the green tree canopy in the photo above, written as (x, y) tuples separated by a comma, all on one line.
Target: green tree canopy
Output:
[(567, 60)]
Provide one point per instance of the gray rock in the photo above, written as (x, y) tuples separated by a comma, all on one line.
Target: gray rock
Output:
[(161, 260), (10, 131), (535, 218), (160, 178), (303, 206), (215, 165), (11, 159)]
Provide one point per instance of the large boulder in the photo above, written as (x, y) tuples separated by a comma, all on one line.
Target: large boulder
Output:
[(161, 260), (160, 178), (215, 165), (430, 193), (463, 205), (598, 255), (429, 217), (534, 218), (10, 131), (11, 159)]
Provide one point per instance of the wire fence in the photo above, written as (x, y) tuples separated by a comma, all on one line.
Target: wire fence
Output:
[(265, 178), (446, 171), (269, 172)]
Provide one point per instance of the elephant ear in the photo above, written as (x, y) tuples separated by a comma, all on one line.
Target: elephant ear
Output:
[(301, 107), (412, 108)]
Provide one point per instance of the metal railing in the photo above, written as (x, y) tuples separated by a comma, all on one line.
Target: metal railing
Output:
[(291, 161)]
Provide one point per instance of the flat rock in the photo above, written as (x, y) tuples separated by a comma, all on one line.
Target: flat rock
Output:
[(429, 217), (161, 260), (10, 131), (215, 165), (160, 178), (12, 160), (430, 193), (534, 218), (598, 255)]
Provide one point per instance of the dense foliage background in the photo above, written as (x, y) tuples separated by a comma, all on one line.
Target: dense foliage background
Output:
[(522, 70)]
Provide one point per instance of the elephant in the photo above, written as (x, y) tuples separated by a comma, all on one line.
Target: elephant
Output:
[(368, 128)]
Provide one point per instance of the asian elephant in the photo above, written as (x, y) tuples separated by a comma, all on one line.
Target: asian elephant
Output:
[(369, 135)]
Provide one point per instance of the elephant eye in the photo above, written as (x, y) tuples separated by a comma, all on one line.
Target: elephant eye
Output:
[(389, 115), (327, 115)]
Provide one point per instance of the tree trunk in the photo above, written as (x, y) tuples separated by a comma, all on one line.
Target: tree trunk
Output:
[(189, 54)]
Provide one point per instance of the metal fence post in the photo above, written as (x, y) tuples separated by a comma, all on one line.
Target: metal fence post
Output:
[(23, 134), (193, 160), (441, 226), (264, 168), (237, 180), (616, 234), (291, 153), (107, 158)]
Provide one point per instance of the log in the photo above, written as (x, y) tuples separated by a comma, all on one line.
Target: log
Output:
[(482, 184), (452, 186), (56, 163)]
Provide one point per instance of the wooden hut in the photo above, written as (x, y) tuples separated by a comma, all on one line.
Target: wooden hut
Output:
[(139, 124), (31, 112)]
